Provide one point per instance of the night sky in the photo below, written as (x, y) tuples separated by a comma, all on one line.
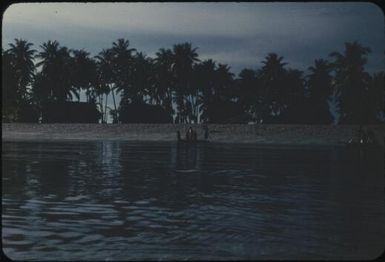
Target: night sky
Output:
[(238, 34)]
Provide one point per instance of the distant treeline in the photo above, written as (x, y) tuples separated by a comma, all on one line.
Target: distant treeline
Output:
[(175, 86)]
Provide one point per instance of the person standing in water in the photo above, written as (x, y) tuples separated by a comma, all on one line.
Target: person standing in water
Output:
[(189, 134), (206, 131), (178, 135), (194, 136)]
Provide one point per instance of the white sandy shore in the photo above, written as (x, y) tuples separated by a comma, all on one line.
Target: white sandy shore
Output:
[(262, 134)]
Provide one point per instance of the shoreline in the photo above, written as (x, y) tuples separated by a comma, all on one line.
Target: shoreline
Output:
[(266, 134)]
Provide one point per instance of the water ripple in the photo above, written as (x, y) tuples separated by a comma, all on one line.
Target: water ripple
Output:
[(138, 201)]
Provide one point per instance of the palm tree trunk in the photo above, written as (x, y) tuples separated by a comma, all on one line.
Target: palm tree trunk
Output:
[(101, 106), (113, 98), (196, 109), (105, 108)]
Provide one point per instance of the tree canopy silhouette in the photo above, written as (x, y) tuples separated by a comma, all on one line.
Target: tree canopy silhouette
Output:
[(55, 78), (18, 72), (319, 83), (178, 87), (351, 82)]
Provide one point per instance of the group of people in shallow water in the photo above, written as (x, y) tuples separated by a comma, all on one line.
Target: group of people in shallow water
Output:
[(191, 135), (363, 136)]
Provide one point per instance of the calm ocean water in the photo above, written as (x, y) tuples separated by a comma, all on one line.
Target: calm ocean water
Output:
[(135, 201)]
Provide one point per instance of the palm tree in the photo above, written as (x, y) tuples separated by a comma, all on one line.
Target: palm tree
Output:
[(224, 82), (249, 92), (184, 58), (162, 90), (351, 82), (22, 60), (296, 98), (9, 88), (205, 81), (105, 79), (41, 93), (272, 77), (214, 85), (142, 79), (18, 73), (56, 72), (374, 106), (319, 84), (83, 72), (122, 63)]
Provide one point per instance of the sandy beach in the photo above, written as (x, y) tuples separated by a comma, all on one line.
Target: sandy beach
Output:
[(261, 134)]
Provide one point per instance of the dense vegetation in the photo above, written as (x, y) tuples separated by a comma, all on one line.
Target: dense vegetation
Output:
[(186, 89)]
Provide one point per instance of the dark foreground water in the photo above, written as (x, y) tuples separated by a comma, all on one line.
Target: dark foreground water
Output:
[(128, 201)]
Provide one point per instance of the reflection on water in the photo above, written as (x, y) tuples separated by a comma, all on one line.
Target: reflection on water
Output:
[(125, 201)]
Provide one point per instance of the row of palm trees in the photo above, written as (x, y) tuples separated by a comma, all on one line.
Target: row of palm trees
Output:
[(191, 90)]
